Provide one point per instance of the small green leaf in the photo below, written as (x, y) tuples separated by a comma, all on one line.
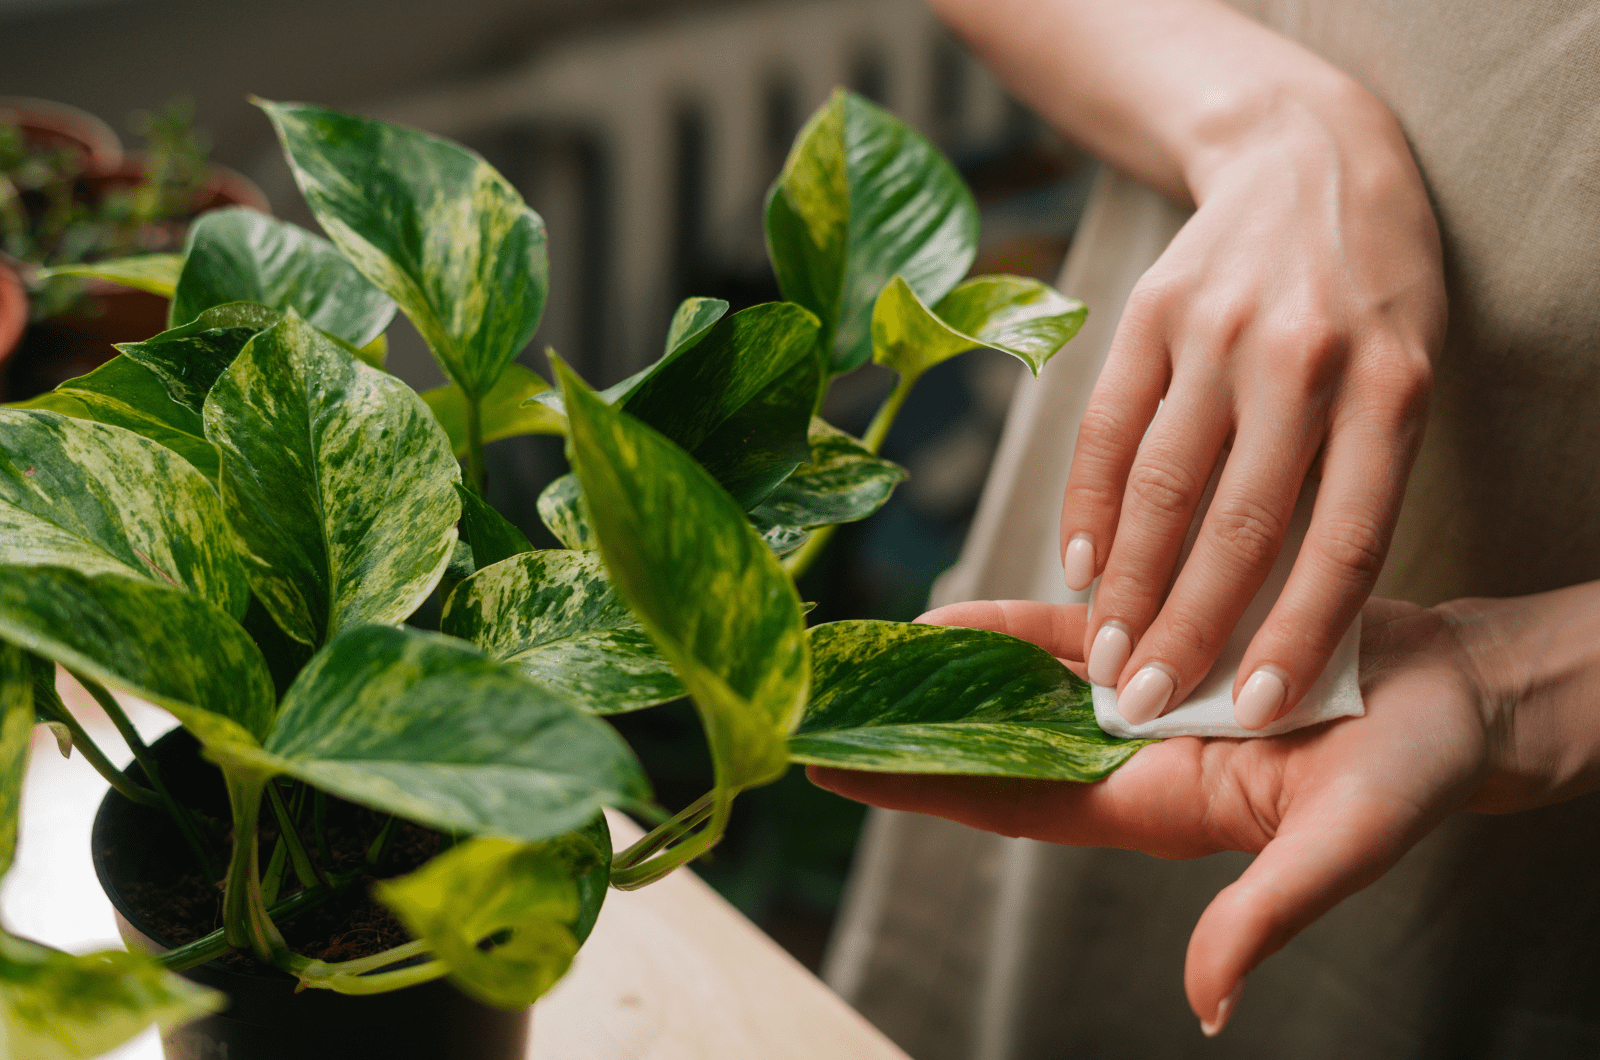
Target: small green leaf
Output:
[(561, 510), (55, 1006), (842, 483), (500, 915), (17, 718), (125, 394), (507, 410), (489, 534), (188, 359), (154, 273), (555, 617), (862, 198), (433, 225), (899, 697), (431, 728), (98, 498), (1020, 316), (163, 645), (710, 594), (239, 255), (336, 479)]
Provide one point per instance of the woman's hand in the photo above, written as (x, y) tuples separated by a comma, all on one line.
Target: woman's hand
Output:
[(1328, 809), (1294, 319)]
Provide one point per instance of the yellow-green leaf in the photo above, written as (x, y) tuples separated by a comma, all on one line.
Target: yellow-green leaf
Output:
[(155, 273), (507, 409), (16, 732), (1015, 314)]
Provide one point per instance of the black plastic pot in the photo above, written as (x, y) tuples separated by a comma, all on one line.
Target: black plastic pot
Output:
[(265, 1019)]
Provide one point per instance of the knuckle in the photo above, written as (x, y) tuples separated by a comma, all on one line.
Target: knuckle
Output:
[(1164, 486), (1099, 432), (1405, 384), (1355, 546), (1183, 635), (1248, 532)]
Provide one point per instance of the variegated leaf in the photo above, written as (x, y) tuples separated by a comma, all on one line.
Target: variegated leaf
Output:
[(490, 535), (336, 479), (561, 510), (433, 225), (554, 616), (710, 594), (98, 498), (188, 359), (240, 255), (843, 482), (1015, 314), (154, 273), (861, 198), (899, 697), (17, 719), (431, 728), (507, 409)]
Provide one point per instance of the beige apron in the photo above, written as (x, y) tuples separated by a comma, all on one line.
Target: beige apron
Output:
[(1485, 940)]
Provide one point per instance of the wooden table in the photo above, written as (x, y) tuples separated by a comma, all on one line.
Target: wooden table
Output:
[(672, 972)]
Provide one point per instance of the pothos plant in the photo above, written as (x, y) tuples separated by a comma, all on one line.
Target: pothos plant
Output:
[(233, 519)]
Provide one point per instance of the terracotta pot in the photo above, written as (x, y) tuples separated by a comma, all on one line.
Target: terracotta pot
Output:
[(13, 312), (47, 122), (265, 1018)]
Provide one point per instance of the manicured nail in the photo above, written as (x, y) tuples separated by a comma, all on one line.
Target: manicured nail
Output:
[(1145, 697), (1213, 1026), (1078, 563), (1259, 700), (1109, 653)]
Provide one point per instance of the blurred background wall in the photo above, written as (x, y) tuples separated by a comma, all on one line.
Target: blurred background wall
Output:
[(646, 133)]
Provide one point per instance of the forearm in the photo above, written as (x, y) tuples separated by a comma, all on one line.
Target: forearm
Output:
[(1168, 90), (1536, 660)]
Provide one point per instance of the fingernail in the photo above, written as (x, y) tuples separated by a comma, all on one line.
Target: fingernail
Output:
[(1259, 700), (1109, 653), (1213, 1026), (1145, 697), (1078, 563)]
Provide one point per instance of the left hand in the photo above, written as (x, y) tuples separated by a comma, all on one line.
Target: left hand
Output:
[(1328, 809)]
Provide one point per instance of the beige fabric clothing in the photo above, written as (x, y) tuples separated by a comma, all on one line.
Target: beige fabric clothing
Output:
[(1485, 940)]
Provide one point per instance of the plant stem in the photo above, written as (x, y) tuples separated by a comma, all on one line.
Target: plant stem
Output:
[(800, 560), (666, 832), (476, 476), (635, 872), (290, 834), (180, 814), (245, 921), (378, 852), (214, 945), (392, 955), (380, 982), (319, 821), (102, 765)]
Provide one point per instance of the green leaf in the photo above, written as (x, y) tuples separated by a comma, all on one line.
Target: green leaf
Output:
[(489, 534), (710, 594), (842, 483), (1020, 316), (906, 698), (188, 359), (431, 728), (55, 1006), (561, 510), (161, 644), (155, 273), (336, 479), (98, 498), (862, 198), (500, 915), (430, 223), (555, 617), (17, 718), (125, 394), (239, 255), (507, 409)]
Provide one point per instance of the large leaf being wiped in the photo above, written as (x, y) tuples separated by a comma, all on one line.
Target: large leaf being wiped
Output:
[(904, 698), (97, 498), (433, 225), (336, 478), (1015, 314), (707, 590), (862, 198), (57, 1006), (433, 729), (554, 616), (240, 255)]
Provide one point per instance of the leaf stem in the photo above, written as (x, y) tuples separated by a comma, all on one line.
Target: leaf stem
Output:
[(664, 833), (630, 870), (92, 754), (380, 982), (476, 476), (209, 947), (360, 965), (245, 921), (289, 833)]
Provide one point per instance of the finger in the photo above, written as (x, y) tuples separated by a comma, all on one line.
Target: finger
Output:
[(1057, 628), (1323, 854), (1352, 523), (1233, 554), (1165, 485), (1122, 405)]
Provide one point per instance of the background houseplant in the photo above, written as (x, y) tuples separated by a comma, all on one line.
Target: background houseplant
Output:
[(229, 519)]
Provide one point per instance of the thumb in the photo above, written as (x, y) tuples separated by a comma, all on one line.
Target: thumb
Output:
[(1322, 854)]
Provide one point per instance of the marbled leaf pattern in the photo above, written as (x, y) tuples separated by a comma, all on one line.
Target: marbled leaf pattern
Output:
[(841, 483), (188, 359), (431, 728), (1015, 314), (561, 510), (16, 733), (336, 479), (554, 616), (432, 225), (98, 498), (899, 697)]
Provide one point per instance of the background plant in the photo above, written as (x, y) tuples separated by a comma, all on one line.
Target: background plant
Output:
[(230, 519)]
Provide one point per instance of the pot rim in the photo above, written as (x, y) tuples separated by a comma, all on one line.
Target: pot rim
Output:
[(102, 147)]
